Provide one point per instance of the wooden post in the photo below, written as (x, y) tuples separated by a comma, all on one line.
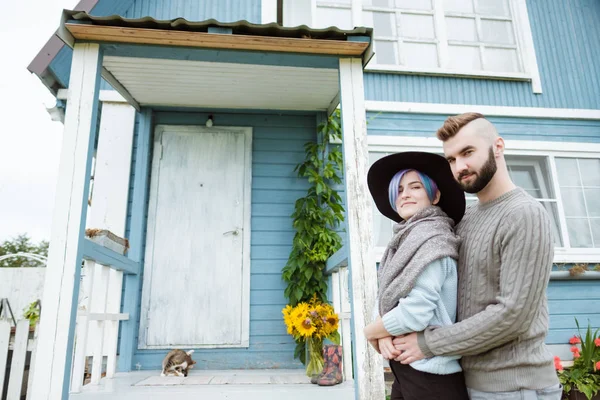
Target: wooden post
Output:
[(368, 368), (61, 287), (17, 366), (133, 283)]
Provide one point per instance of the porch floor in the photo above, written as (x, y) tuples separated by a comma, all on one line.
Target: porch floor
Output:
[(215, 385)]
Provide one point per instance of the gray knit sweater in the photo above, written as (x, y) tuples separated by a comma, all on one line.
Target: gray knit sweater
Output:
[(503, 268)]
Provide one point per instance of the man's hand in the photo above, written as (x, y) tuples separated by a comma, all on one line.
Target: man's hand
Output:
[(387, 349), (409, 347)]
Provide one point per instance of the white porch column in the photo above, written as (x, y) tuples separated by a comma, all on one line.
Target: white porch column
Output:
[(368, 368), (52, 367)]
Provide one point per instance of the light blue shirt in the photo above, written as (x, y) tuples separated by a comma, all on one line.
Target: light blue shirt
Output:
[(431, 302)]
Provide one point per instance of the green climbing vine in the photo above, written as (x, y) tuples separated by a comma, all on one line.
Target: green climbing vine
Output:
[(316, 216)]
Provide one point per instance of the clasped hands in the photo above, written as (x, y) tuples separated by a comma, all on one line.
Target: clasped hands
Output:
[(402, 348)]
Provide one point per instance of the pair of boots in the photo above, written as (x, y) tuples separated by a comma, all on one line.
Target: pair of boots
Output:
[(332, 369)]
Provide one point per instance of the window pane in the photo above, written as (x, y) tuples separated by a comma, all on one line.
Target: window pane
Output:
[(590, 171), (524, 176), (459, 5), (417, 26), (592, 199), (338, 17), (461, 29), (497, 32), (579, 232), (568, 175), (595, 223), (464, 57), (383, 23), (573, 202), (501, 60), (378, 3), (538, 179), (493, 7), (420, 55), (414, 4), (385, 52), (552, 209)]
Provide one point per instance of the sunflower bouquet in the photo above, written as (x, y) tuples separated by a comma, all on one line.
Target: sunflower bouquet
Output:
[(312, 322)]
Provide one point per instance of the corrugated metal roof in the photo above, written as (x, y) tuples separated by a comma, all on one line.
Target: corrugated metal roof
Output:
[(242, 27)]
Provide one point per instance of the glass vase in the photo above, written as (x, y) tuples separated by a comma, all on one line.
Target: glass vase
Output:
[(314, 357)]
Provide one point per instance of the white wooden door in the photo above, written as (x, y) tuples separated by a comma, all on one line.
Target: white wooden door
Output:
[(196, 273)]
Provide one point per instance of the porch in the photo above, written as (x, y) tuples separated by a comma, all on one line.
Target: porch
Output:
[(215, 385), (196, 69)]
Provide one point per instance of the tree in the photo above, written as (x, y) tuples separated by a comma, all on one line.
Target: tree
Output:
[(22, 244)]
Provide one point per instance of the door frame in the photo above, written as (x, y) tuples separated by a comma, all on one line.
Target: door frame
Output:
[(246, 230)]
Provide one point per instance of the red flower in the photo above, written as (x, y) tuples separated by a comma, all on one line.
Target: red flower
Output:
[(574, 340), (598, 366), (557, 364), (574, 349), (576, 354), (597, 342)]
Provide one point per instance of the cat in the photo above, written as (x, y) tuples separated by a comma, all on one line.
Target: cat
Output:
[(177, 363)]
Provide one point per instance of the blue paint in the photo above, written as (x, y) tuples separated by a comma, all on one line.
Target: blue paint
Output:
[(222, 31), (359, 39), (81, 228), (543, 129), (224, 56), (111, 7), (278, 141), (565, 35), (221, 10), (568, 300), (105, 256), (139, 186)]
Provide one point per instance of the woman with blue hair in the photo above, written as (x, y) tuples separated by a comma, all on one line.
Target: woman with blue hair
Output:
[(417, 274)]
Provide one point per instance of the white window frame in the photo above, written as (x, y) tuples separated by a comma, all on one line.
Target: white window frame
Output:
[(391, 144), (307, 9)]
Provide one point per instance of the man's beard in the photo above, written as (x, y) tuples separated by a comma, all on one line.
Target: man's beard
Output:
[(482, 178)]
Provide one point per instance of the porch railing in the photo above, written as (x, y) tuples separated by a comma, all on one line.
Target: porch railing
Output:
[(98, 313), (337, 271), (19, 340)]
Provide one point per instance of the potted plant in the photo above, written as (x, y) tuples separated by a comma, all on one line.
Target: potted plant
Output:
[(312, 322), (582, 380)]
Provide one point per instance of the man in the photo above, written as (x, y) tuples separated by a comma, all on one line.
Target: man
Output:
[(504, 266)]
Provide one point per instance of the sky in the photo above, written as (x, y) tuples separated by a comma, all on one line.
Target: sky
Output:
[(30, 141)]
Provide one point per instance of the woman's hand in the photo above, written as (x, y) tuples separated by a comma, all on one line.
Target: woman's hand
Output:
[(375, 344), (387, 349)]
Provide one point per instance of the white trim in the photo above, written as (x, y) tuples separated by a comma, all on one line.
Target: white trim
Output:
[(106, 96), (52, 374), (246, 231), (391, 144), (526, 45), (514, 76), (368, 370), (268, 11), (496, 111)]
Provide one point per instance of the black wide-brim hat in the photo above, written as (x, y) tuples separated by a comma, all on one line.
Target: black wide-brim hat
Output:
[(452, 199)]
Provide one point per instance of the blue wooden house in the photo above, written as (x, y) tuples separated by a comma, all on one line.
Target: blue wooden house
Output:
[(190, 117)]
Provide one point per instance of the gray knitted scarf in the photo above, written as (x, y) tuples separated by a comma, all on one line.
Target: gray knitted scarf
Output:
[(423, 238)]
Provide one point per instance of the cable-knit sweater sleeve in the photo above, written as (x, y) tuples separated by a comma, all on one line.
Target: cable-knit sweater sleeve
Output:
[(525, 237)]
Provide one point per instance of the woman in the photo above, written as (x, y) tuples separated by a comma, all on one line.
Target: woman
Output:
[(417, 274)]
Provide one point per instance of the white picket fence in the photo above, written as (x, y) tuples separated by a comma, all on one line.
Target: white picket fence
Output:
[(20, 342)]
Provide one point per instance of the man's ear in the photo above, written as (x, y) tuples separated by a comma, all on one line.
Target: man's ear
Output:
[(499, 147), (437, 197)]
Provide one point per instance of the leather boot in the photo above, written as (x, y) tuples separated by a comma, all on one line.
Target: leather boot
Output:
[(332, 371)]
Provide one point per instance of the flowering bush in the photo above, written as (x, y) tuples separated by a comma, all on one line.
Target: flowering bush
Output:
[(584, 375), (312, 322)]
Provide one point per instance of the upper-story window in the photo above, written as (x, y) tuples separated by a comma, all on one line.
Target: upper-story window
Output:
[(490, 38)]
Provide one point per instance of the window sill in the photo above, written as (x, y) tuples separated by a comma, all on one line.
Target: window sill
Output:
[(398, 69)]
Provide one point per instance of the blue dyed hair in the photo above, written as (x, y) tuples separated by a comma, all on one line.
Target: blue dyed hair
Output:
[(428, 183)]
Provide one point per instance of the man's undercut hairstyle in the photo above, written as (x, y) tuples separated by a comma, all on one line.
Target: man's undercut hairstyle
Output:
[(454, 124)]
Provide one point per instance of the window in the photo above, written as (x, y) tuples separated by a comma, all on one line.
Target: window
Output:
[(567, 186), (489, 38)]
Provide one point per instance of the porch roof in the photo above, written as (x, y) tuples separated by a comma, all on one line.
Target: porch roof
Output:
[(179, 79)]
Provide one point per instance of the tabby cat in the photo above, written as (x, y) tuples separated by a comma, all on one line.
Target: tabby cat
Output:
[(177, 363)]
